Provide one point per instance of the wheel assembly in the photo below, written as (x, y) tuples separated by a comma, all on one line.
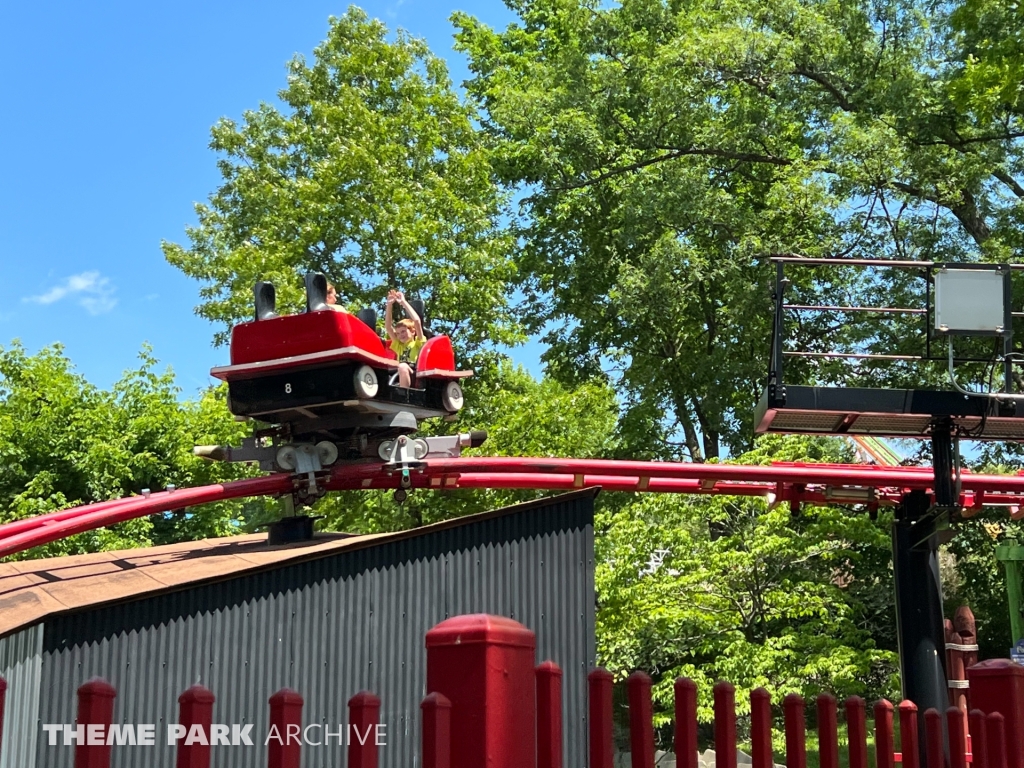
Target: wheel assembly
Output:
[(365, 382), (451, 399)]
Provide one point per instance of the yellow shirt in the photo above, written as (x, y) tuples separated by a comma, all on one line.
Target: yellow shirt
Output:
[(407, 353)]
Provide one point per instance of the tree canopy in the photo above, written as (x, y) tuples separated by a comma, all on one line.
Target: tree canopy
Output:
[(371, 172), (666, 150), (726, 589), (65, 443)]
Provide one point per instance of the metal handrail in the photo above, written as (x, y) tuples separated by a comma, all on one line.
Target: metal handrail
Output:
[(827, 308), (858, 355), (889, 263), (779, 353)]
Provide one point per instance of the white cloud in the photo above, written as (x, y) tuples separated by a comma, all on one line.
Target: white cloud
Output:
[(88, 290)]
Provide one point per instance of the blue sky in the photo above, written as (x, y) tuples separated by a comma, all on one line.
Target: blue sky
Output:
[(105, 132)]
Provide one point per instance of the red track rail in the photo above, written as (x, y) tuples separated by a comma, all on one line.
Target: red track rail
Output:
[(795, 483)]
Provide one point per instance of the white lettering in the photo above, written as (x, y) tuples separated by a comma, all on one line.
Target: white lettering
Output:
[(146, 733), (361, 736), (51, 732), (196, 735), (77, 733), (239, 735), (340, 734), (294, 733), (305, 735), (381, 739), (174, 732), (274, 734), (219, 735), (94, 733), (121, 734)]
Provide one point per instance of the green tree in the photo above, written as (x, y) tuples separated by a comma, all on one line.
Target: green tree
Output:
[(797, 605), (370, 172), (980, 579), (991, 60), (65, 442), (666, 150)]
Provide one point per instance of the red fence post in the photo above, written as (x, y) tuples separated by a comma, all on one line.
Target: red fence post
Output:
[(599, 682), (685, 741), (908, 735), (997, 685), (195, 707), (761, 729), (284, 741), (549, 715), (856, 732), (947, 630), (934, 752), (484, 665), (995, 735), (828, 732), (957, 738), (957, 677), (95, 714), (3, 696), (796, 736), (979, 739), (885, 742), (363, 718), (641, 721), (725, 725), (437, 731), (965, 623)]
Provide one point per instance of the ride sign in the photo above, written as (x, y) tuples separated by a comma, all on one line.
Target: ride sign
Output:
[(1017, 652)]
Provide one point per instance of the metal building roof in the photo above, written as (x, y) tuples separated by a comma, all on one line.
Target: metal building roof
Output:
[(34, 590)]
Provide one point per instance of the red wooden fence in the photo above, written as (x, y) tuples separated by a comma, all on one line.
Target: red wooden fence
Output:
[(507, 713)]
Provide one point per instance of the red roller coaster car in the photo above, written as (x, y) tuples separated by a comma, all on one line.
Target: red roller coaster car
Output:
[(328, 374), (327, 388)]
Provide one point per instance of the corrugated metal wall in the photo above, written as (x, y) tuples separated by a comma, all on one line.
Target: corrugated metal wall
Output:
[(21, 664), (329, 628)]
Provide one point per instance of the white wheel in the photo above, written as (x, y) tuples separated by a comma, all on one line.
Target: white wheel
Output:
[(286, 458), (452, 397), (365, 382), (328, 452)]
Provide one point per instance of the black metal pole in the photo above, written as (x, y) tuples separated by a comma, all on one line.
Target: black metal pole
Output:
[(775, 381), (919, 622), (1007, 330)]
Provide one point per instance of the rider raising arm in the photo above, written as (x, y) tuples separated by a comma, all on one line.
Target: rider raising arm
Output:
[(406, 337)]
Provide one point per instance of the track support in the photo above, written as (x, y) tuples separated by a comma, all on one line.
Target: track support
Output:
[(919, 621)]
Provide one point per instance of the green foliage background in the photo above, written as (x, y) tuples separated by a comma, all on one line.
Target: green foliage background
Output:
[(629, 169)]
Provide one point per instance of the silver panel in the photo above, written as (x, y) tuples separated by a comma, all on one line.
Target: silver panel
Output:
[(331, 627), (969, 301), (21, 666)]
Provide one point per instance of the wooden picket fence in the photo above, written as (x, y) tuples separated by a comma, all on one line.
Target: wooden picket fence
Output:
[(988, 730), (507, 713)]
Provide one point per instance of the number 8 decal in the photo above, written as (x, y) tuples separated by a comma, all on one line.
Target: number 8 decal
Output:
[(288, 388)]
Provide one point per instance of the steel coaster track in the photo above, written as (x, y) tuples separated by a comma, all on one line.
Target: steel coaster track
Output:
[(779, 482)]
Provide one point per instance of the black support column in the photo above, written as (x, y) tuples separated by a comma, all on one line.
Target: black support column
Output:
[(919, 618)]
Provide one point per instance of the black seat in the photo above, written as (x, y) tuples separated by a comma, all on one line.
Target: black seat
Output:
[(266, 300), (368, 316), (316, 292)]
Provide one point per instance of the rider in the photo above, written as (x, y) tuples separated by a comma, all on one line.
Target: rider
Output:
[(406, 337), (332, 299)]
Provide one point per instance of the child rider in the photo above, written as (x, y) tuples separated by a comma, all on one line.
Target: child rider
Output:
[(406, 337)]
